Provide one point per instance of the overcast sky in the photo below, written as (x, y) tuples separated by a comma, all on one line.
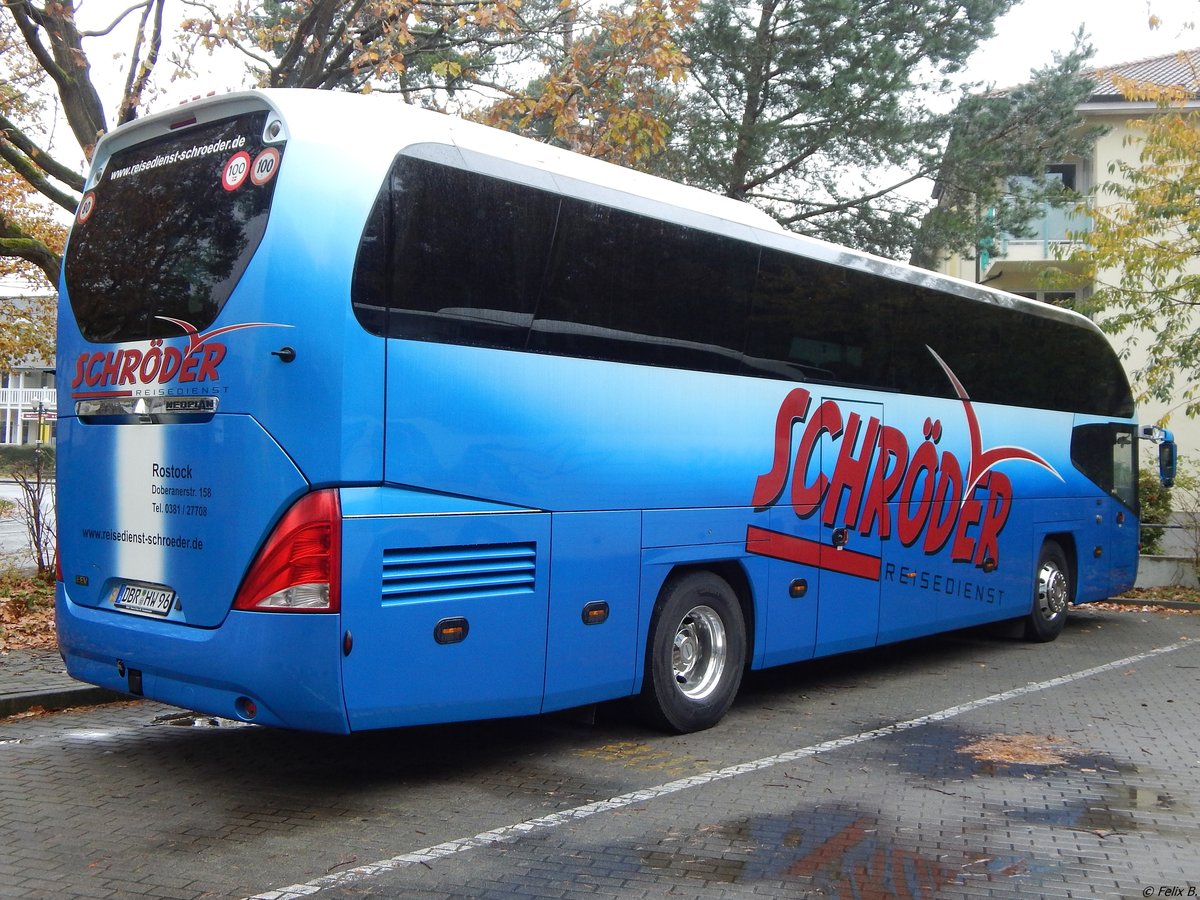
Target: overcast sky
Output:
[(1119, 29)]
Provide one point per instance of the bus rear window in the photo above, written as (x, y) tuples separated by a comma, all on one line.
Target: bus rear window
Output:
[(169, 229)]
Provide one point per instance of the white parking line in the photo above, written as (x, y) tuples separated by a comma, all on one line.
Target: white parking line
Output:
[(509, 833)]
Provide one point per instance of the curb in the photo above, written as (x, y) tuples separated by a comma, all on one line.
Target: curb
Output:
[(57, 698)]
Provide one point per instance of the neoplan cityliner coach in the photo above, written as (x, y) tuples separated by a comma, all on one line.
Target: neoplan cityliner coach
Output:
[(372, 417)]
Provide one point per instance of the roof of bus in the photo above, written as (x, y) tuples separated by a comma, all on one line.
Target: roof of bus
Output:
[(391, 125)]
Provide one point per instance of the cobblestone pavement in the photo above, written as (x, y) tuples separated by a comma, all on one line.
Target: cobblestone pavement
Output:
[(38, 678), (960, 766)]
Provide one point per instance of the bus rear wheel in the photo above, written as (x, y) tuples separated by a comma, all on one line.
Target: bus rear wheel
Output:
[(695, 653), (1051, 595)]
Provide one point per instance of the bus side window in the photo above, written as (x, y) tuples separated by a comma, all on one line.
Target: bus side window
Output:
[(457, 256), (636, 289), (803, 317), (453, 256), (371, 285)]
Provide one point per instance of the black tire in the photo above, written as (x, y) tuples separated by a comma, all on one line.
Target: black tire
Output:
[(695, 653), (1052, 593)]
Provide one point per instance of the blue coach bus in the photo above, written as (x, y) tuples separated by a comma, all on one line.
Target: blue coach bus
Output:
[(371, 417)]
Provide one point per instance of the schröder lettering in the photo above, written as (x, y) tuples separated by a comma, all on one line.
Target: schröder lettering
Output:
[(927, 484), (157, 365)]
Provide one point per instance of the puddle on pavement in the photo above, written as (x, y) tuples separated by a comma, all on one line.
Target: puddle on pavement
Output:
[(1099, 794), (196, 720), (941, 751), (831, 850), (840, 850), (1115, 809)]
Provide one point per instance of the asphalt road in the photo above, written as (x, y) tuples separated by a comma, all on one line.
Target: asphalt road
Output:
[(958, 766)]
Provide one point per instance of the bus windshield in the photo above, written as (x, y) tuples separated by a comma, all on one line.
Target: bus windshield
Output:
[(169, 228)]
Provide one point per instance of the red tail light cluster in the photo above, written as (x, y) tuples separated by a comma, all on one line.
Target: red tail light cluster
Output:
[(297, 569)]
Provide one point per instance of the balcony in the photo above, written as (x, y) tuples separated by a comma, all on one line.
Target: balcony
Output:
[(1020, 259), (1053, 237), (27, 398)]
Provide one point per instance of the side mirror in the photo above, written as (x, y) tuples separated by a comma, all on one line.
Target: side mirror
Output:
[(1166, 463)]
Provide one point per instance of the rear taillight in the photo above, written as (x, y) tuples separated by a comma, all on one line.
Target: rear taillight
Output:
[(297, 569)]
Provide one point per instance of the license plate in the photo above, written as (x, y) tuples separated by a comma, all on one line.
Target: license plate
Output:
[(143, 599)]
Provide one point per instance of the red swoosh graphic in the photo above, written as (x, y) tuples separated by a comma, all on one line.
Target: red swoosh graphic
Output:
[(197, 340), (982, 461)]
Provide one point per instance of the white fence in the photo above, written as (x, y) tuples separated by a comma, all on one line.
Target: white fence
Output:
[(26, 398)]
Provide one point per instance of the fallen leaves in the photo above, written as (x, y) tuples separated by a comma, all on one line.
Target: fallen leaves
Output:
[(1174, 594), (1021, 749), (26, 613)]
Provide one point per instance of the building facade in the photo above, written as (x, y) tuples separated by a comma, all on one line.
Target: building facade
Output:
[(27, 406), (1017, 264)]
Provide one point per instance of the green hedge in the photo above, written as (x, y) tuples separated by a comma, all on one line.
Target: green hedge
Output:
[(12, 457), (1156, 510)]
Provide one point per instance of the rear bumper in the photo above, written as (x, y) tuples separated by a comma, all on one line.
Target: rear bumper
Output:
[(289, 665)]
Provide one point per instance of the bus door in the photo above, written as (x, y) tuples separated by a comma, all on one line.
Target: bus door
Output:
[(852, 452), (1106, 452), (1124, 539), (788, 536)]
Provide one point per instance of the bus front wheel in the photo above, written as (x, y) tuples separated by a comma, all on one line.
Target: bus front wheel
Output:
[(1051, 595), (695, 653)]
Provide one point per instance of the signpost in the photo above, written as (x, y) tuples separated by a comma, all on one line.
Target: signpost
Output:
[(43, 417)]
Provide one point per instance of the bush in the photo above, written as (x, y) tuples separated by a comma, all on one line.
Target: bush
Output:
[(1156, 510), (13, 457)]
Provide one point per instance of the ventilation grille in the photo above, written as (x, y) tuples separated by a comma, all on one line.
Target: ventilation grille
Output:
[(455, 573)]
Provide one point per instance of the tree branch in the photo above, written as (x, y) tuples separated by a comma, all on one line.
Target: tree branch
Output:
[(139, 73), (35, 252), (26, 169), (852, 204), (24, 14), (38, 157), (117, 21), (65, 63)]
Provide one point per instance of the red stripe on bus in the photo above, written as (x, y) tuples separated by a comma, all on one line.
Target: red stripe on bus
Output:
[(790, 548)]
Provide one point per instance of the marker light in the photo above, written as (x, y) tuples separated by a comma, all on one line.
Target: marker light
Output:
[(451, 631), (297, 569), (595, 613)]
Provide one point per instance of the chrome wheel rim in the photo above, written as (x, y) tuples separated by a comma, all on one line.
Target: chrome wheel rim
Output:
[(1052, 591), (699, 652)]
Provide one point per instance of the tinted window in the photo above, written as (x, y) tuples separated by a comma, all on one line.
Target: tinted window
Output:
[(635, 289), (450, 255), (850, 327), (821, 321), (1107, 454), (169, 229)]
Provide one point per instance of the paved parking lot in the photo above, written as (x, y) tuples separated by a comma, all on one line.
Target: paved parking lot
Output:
[(958, 766)]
